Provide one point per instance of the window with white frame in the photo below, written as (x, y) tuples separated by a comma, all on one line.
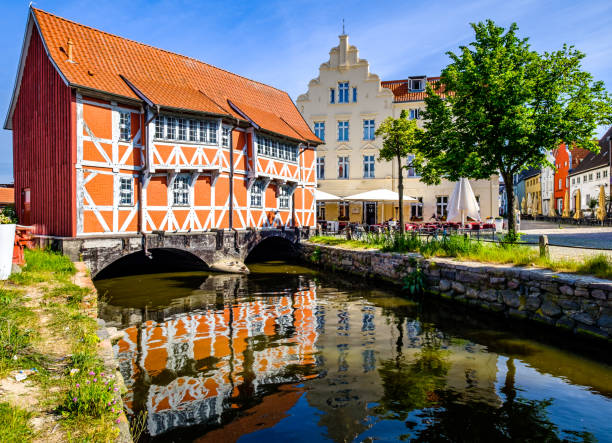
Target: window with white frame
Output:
[(598, 175), (126, 191), (284, 195), (274, 148), (257, 189), (560, 186), (354, 95), (605, 173), (343, 131), (591, 176), (170, 133), (125, 126), (226, 136), (577, 181), (410, 171), (441, 205), (182, 129), (343, 92), (368, 166), (180, 190), (417, 84), (343, 167), (415, 114), (320, 168), (159, 127), (368, 130), (319, 130)]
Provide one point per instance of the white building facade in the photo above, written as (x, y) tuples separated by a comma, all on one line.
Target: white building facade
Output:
[(344, 105)]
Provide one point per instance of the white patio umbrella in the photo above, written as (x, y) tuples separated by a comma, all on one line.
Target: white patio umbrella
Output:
[(462, 203), (322, 196)]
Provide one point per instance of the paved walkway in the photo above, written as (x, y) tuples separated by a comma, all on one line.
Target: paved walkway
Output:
[(582, 238)]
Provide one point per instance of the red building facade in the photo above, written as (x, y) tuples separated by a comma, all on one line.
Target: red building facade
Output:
[(111, 136), (565, 160)]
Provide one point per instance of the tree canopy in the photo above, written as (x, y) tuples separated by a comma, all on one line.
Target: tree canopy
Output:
[(500, 106)]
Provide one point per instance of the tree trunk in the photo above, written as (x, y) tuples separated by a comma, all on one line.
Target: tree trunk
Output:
[(400, 191), (510, 194)]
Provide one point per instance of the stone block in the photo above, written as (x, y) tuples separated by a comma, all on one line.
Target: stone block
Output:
[(497, 281), (471, 292), (591, 331), (488, 295), (458, 287), (598, 293), (583, 318), (532, 302), (447, 274), (513, 284), (550, 309), (495, 307), (543, 319), (568, 305), (565, 322), (445, 285), (581, 292), (550, 287), (566, 290), (510, 298), (605, 321)]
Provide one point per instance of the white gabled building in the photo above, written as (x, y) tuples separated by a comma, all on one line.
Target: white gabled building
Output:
[(593, 172)]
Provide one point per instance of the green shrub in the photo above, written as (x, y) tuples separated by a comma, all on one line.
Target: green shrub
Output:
[(93, 395), (14, 424), (414, 282)]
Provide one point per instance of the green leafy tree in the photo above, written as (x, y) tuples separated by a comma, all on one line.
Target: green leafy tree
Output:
[(401, 136), (500, 106)]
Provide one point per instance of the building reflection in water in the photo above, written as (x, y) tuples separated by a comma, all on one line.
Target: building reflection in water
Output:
[(225, 348)]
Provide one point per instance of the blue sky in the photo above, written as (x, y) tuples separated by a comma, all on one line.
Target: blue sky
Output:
[(282, 43)]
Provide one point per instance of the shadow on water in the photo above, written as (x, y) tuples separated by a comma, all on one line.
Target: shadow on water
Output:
[(288, 353)]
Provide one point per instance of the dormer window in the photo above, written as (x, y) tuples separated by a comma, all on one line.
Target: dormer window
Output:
[(417, 84)]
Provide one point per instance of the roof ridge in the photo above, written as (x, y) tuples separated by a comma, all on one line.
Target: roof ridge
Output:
[(156, 48), (406, 79)]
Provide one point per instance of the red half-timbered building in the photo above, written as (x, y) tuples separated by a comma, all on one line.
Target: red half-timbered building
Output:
[(112, 136)]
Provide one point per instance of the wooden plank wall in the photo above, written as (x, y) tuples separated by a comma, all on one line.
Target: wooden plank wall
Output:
[(44, 146)]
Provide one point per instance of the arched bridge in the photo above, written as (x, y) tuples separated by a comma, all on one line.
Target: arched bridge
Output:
[(220, 250)]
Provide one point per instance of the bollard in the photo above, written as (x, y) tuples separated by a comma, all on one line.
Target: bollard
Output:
[(544, 246)]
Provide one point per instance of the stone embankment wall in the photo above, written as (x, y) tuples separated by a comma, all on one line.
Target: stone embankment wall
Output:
[(577, 303)]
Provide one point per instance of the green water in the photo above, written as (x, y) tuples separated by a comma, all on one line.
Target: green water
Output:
[(290, 354)]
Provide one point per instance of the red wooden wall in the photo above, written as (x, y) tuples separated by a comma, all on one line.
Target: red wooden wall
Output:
[(44, 145)]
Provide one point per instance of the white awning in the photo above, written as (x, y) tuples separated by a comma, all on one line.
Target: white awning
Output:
[(380, 195), (321, 196)]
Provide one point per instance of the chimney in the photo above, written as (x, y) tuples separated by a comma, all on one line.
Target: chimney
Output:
[(69, 45)]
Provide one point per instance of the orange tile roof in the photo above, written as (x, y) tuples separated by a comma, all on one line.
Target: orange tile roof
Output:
[(403, 94), (7, 195), (167, 79)]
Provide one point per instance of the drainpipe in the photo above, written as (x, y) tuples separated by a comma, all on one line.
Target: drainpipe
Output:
[(148, 119)]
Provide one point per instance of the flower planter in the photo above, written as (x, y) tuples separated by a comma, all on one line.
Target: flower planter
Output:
[(499, 225), (7, 241)]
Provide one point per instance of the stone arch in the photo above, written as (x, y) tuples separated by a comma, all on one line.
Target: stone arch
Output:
[(155, 260), (284, 243)]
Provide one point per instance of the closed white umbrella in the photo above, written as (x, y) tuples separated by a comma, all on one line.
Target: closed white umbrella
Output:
[(322, 196), (462, 203), (381, 195)]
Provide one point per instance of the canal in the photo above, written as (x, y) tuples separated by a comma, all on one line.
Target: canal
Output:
[(288, 353)]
